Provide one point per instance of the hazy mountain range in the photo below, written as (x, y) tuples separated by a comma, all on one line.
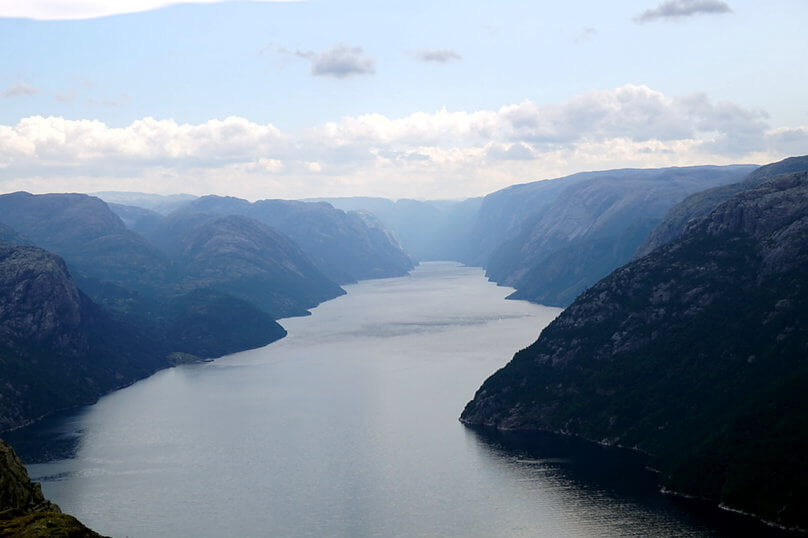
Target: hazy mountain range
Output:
[(694, 352)]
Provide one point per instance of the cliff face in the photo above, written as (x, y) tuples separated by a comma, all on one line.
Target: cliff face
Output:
[(696, 353), (700, 204), (57, 348), (39, 303), (24, 511), (341, 245), (587, 225)]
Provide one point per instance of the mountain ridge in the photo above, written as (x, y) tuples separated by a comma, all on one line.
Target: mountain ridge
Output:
[(695, 353)]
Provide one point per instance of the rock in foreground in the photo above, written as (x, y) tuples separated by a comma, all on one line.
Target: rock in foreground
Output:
[(24, 511)]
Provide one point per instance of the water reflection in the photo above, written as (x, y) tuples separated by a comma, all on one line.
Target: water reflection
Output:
[(346, 427), (57, 437), (606, 487)]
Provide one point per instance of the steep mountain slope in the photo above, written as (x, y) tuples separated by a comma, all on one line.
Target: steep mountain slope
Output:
[(702, 203), (57, 348), (502, 214), (24, 511), (340, 244), (91, 238), (244, 258), (585, 226), (696, 353)]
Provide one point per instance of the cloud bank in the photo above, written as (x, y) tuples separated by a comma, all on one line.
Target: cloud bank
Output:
[(439, 154), (87, 9), (678, 9)]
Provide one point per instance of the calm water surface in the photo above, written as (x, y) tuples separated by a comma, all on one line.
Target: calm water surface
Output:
[(347, 427)]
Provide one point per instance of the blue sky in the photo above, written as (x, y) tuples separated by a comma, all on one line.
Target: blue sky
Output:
[(416, 99)]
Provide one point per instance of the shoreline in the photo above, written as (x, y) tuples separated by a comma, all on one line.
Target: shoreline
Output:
[(713, 504)]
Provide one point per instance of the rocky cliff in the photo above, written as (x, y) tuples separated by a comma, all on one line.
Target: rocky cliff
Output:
[(24, 511), (696, 353), (584, 226), (700, 204), (57, 348)]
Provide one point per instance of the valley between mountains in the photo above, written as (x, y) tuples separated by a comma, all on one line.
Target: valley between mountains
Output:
[(684, 334)]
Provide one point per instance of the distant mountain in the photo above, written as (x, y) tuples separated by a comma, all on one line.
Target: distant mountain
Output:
[(24, 511), (243, 258), (700, 204), (553, 239), (696, 353), (502, 214), (88, 235), (340, 244), (136, 218), (159, 203), (427, 230)]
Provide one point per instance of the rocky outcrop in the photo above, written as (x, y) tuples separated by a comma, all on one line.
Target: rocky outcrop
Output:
[(24, 511), (39, 303), (57, 348), (585, 226), (341, 245), (696, 353), (700, 204)]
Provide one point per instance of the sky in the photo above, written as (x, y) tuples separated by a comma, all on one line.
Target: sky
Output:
[(418, 99)]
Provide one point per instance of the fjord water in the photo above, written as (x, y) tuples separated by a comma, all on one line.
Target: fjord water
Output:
[(346, 427)]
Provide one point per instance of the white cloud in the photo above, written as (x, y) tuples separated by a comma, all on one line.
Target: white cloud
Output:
[(440, 154), (87, 9)]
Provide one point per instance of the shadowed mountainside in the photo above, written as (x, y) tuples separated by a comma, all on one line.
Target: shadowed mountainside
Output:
[(552, 239), (57, 348), (696, 353), (244, 258)]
